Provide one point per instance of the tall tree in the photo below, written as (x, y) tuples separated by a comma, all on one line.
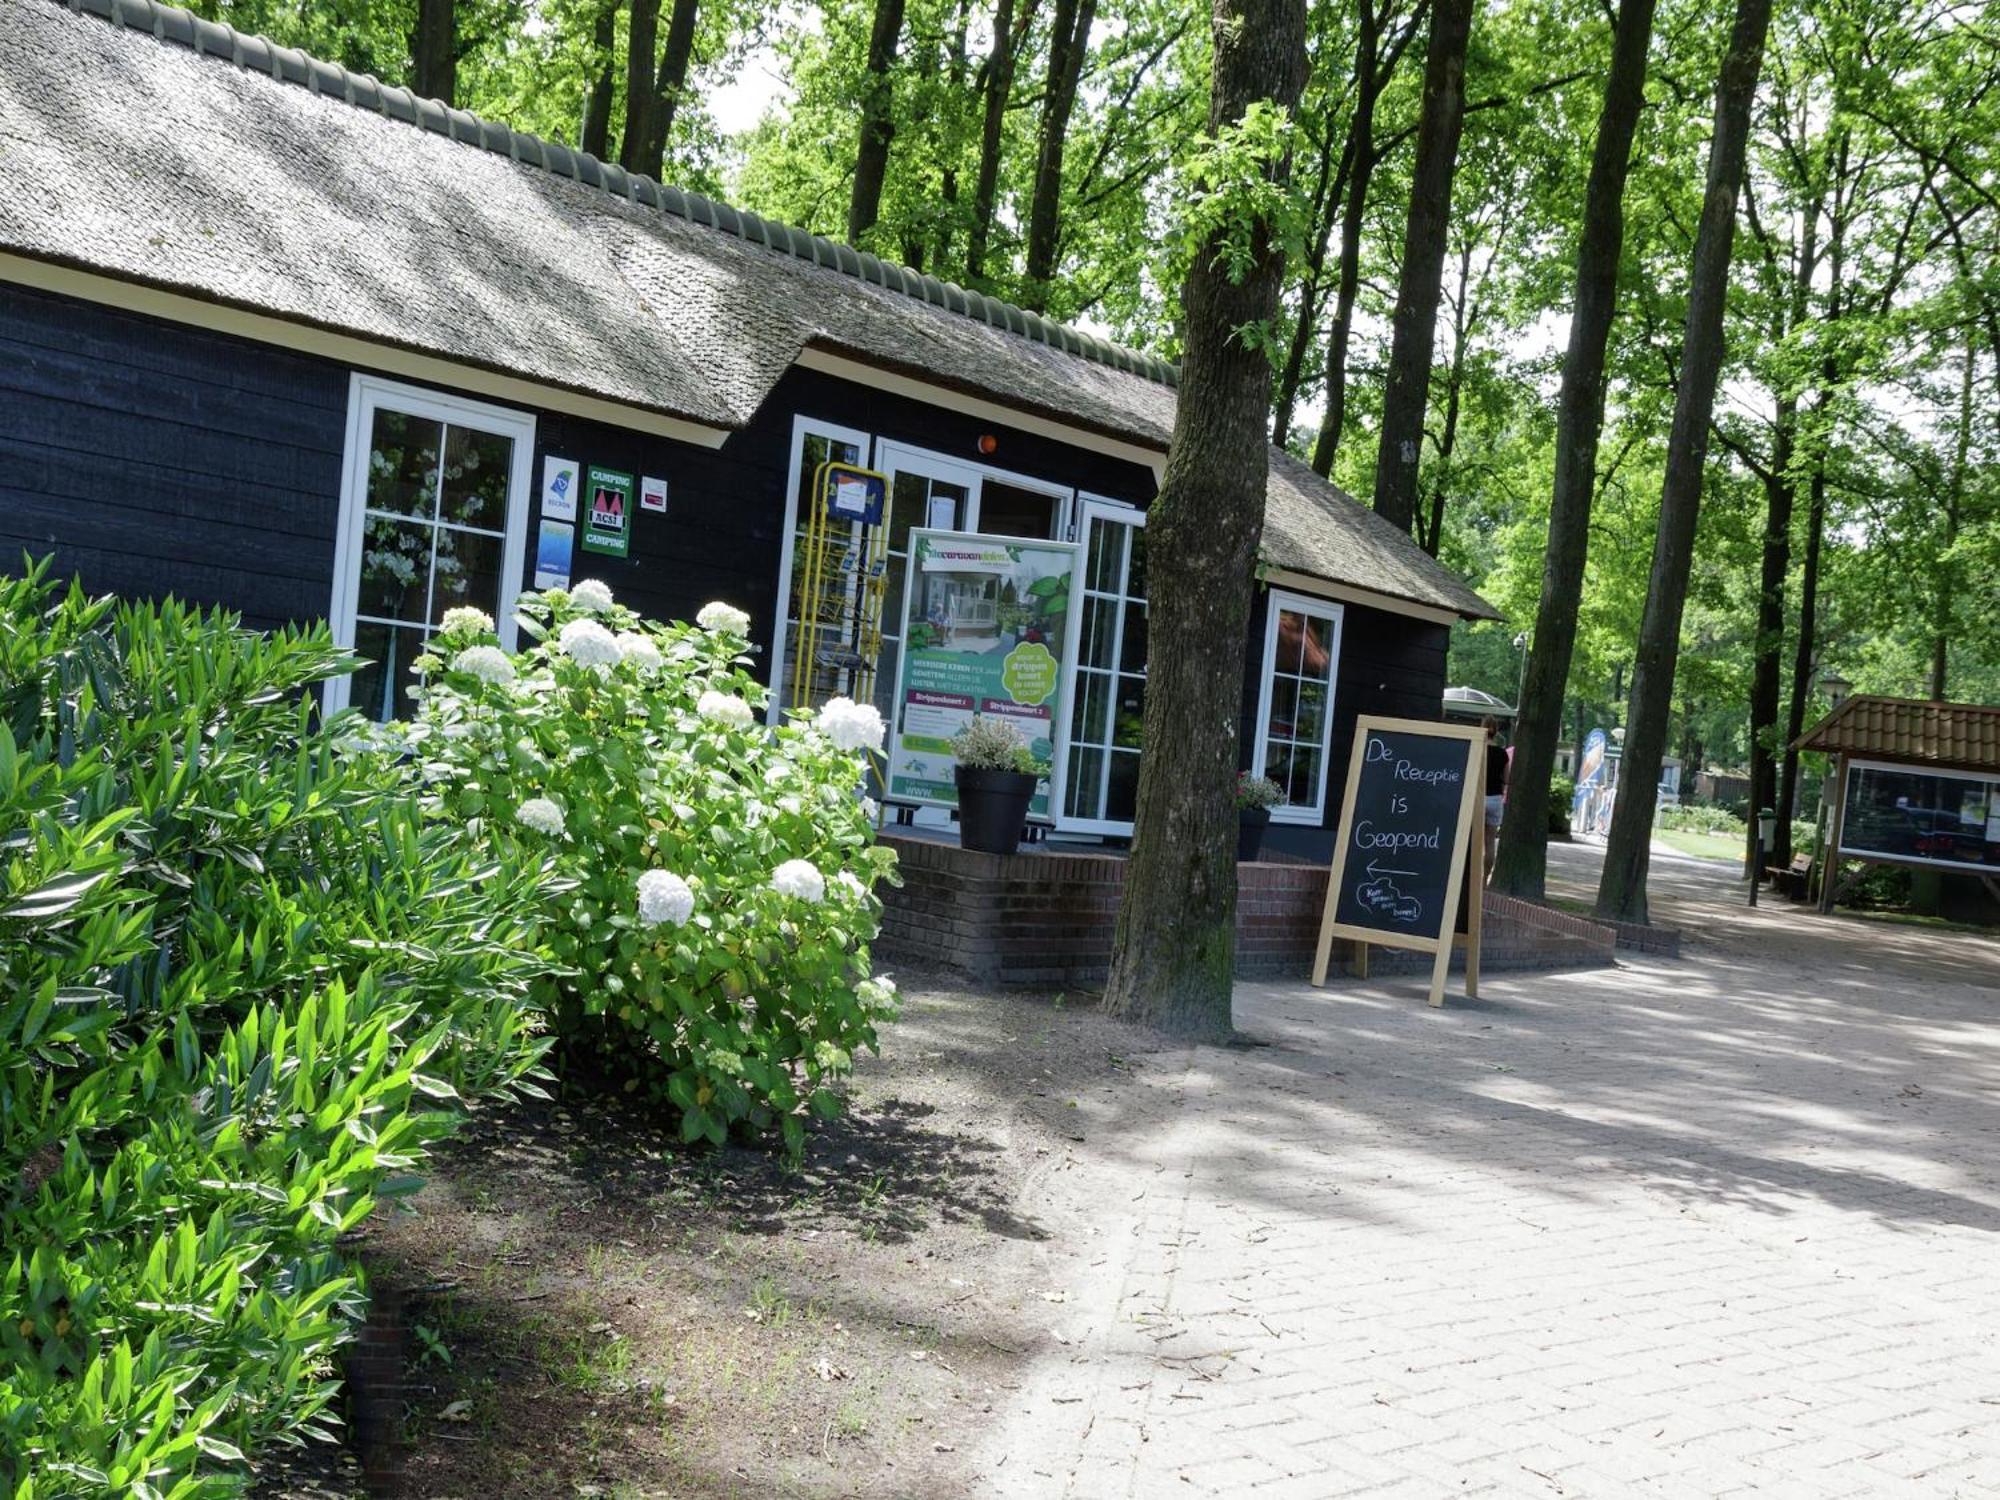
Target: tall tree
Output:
[(1069, 47), (434, 51), (1521, 863), (668, 86), (1407, 394), (997, 86), (1621, 891), (1173, 960), (878, 120), (595, 134), (641, 42)]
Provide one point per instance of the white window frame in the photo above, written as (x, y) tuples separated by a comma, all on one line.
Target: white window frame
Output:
[(368, 394), (1906, 768), (802, 428), (1326, 609), (1091, 508)]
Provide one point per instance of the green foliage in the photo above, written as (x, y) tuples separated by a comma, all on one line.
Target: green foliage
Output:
[(1257, 793), (1562, 797), (714, 944), (242, 987)]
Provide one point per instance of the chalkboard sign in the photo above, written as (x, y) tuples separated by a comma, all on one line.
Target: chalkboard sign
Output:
[(1408, 821)]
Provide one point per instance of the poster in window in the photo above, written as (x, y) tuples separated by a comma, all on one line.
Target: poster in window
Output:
[(555, 546), (985, 633), (607, 514), (653, 494)]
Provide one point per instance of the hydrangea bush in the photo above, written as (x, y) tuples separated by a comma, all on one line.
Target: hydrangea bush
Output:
[(715, 941)]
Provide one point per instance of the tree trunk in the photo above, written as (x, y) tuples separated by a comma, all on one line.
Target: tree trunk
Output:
[(1621, 893), (1429, 536), (434, 51), (1520, 864), (595, 135), (1332, 189), (641, 45), (999, 85), (1954, 508), (1069, 44), (1780, 492), (1173, 960), (1802, 662), (668, 85), (878, 121), (1367, 88), (1411, 354)]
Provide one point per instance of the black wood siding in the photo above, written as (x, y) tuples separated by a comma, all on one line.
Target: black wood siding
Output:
[(156, 459)]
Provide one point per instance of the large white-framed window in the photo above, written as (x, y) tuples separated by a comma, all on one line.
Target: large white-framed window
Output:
[(1295, 702), (433, 514), (1103, 732), (814, 442)]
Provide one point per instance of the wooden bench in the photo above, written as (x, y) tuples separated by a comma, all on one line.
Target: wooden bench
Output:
[(1791, 880)]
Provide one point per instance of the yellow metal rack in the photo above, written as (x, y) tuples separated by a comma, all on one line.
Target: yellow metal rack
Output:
[(842, 583)]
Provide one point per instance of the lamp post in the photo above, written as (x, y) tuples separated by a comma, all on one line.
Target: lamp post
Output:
[(1767, 828), (1520, 677), (1836, 688)]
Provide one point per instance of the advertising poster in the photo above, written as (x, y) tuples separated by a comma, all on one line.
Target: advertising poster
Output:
[(558, 488), (653, 494), (607, 515), (985, 632), (554, 545)]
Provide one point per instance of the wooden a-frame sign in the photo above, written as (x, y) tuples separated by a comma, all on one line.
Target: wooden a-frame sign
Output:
[(1410, 843)]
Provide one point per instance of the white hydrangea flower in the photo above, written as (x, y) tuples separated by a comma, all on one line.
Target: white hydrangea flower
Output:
[(589, 643), (593, 594), (723, 619), (664, 898), (637, 647), (877, 994), (726, 708), (541, 815), (487, 663), (870, 809), (464, 618), (855, 887), (800, 879), (851, 725)]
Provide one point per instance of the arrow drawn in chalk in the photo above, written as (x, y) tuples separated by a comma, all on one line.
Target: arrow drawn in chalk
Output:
[(1376, 872)]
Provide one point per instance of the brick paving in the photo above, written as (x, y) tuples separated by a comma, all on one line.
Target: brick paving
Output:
[(1717, 1226)]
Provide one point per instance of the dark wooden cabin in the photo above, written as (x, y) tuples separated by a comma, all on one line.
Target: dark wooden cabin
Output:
[(242, 291)]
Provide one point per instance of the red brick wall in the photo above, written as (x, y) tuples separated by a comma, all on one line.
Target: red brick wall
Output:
[(1046, 919)]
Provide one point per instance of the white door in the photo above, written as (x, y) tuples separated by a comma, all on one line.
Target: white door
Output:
[(924, 490), (1108, 699)]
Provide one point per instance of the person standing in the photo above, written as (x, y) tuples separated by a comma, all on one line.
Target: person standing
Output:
[(1498, 764)]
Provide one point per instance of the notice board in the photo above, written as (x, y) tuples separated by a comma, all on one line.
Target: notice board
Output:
[(1409, 845)]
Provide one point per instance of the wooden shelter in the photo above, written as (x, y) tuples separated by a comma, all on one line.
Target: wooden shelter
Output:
[(1915, 784)]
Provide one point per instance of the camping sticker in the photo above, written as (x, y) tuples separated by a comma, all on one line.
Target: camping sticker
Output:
[(607, 512)]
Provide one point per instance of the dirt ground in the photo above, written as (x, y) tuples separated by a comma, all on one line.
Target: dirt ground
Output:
[(596, 1310)]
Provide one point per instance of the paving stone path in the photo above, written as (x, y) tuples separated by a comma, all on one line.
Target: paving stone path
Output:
[(1727, 1225)]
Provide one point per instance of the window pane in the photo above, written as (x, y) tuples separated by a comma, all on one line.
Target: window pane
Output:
[(1312, 713), (1290, 643), (1135, 573), (1092, 722), (1283, 722), (1122, 796), (402, 464), (1304, 784), (1130, 725), (1086, 768), (476, 466), (1107, 542), (395, 569), (1099, 632), (1317, 647), (468, 572), (381, 690), (1132, 650), (1278, 762)]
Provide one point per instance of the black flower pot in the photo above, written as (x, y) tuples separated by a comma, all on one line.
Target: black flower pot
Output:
[(1250, 825), (992, 806)]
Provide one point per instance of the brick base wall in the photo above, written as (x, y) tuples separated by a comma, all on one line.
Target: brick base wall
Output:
[(1046, 919)]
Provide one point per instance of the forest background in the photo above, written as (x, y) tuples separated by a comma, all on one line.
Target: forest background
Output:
[(1034, 149)]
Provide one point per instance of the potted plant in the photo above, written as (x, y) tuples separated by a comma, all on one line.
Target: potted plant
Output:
[(997, 775), (1255, 797)]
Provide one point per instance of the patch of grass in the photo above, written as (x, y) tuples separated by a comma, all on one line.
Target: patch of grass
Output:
[(1715, 846)]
